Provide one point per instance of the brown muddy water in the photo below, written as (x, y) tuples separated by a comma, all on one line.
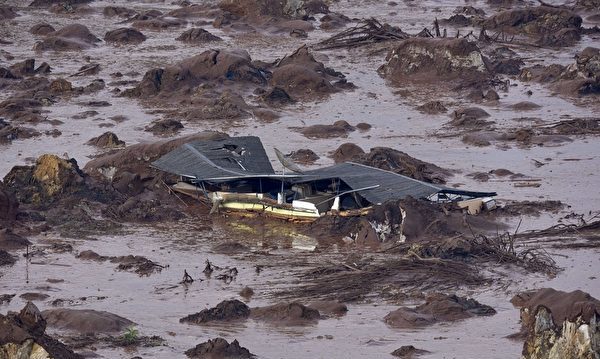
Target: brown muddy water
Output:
[(156, 302)]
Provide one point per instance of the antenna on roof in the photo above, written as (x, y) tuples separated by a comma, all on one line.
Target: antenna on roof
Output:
[(285, 161)]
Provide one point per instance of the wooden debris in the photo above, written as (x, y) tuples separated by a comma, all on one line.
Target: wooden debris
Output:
[(368, 31)]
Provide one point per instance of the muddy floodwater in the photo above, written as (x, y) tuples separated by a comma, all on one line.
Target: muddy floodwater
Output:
[(276, 259)]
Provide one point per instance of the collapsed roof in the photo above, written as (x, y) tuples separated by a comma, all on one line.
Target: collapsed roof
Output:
[(244, 157)]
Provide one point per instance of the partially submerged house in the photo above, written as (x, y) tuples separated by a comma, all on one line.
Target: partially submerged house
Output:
[(236, 174)]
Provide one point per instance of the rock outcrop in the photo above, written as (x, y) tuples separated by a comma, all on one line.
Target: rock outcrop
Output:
[(559, 324), (22, 337)]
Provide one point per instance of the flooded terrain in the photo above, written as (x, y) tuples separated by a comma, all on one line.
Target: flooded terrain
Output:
[(513, 110)]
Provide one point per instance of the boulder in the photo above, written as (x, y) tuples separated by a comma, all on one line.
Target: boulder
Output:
[(437, 308), (106, 140), (22, 336), (347, 152), (197, 35), (42, 29), (85, 321), (286, 314), (219, 348), (47, 180), (209, 66), (303, 156), (339, 128), (303, 77), (69, 38), (124, 35), (409, 352)]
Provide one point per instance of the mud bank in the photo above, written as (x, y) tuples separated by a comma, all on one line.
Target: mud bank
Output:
[(530, 79)]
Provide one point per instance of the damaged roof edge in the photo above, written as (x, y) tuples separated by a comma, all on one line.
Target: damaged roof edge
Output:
[(242, 158)]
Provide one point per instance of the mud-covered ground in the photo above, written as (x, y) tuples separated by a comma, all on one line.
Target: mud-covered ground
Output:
[(535, 142)]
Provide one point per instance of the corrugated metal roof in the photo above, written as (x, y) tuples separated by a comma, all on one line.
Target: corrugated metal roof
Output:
[(235, 156), (392, 186)]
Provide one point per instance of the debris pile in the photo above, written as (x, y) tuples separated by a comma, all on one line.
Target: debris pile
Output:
[(368, 31)]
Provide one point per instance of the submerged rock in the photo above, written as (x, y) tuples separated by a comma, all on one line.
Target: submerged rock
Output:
[(219, 348), (559, 324)]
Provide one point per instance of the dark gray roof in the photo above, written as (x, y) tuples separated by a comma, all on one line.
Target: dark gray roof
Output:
[(391, 186), (230, 157), (245, 157)]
